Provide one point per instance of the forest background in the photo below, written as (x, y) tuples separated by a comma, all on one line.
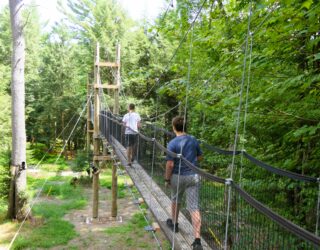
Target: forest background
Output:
[(282, 115)]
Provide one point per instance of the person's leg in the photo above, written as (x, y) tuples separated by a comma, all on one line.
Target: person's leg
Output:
[(175, 211), (192, 193), (134, 147), (196, 223), (129, 154)]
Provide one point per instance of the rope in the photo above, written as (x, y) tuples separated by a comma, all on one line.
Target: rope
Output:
[(246, 108), (163, 114), (287, 225), (43, 185), (217, 70), (237, 127), (318, 210), (244, 129), (45, 154), (188, 80), (175, 220), (179, 46)]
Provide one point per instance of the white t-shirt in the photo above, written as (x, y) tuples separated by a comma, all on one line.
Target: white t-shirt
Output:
[(131, 120)]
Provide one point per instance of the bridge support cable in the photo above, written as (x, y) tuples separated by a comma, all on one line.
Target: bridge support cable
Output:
[(237, 123), (179, 46), (220, 157), (260, 228), (46, 180), (318, 210)]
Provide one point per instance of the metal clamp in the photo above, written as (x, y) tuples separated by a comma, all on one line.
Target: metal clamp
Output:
[(228, 181)]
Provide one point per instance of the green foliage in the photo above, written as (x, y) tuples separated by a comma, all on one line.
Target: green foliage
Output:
[(106, 181), (81, 162), (5, 101), (282, 115), (3, 209)]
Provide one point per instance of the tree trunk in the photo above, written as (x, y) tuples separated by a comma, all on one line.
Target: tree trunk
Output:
[(18, 201)]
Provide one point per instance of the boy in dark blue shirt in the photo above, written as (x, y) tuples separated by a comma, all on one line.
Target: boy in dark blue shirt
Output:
[(183, 179)]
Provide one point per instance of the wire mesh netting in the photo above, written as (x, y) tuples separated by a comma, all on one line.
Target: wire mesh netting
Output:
[(251, 225)]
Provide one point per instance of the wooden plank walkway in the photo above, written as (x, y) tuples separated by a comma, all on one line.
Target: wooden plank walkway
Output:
[(158, 202)]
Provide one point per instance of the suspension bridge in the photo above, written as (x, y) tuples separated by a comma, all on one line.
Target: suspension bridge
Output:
[(251, 224), (232, 218)]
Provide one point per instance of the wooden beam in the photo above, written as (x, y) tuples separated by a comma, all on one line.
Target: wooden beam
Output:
[(101, 158), (98, 86), (96, 142), (90, 130), (114, 189), (155, 226), (107, 64)]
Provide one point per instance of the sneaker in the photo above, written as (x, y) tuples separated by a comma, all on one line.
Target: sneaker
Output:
[(196, 245), (174, 228)]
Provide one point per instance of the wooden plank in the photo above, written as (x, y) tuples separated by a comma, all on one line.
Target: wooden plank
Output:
[(155, 226), (158, 202), (101, 158), (107, 64), (100, 86), (157, 210)]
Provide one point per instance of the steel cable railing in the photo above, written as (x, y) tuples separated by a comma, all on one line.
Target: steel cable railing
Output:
[(251, 224)]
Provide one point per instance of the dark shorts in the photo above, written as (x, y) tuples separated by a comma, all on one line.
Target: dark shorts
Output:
[(131, 140)]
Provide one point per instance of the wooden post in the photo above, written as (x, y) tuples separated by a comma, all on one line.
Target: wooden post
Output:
[(116, 108), (96, 147), (114, 209), (118, 82), (64, 138), (89, 128)]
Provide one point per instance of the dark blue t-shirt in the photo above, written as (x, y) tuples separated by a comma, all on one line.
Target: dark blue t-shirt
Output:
[(190, 150)]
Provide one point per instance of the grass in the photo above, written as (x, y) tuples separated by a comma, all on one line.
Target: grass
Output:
[(54, 231), (37, 151), (129, 232), (106, 181), (3, 209)]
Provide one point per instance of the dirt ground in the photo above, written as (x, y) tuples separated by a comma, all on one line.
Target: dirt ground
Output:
[(92, 233)]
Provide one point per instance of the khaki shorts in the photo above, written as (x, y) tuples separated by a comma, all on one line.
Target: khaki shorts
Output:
[(188, 184)]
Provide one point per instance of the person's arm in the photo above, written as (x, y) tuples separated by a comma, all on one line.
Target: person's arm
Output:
[(168, 174), (169, 168), (124, 120), (139, 121), (199, 152)]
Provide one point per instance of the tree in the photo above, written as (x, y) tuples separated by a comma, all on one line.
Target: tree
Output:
[(17, 197)]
